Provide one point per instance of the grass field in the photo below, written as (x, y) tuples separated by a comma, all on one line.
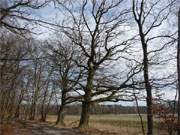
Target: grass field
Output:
[(124, 124)]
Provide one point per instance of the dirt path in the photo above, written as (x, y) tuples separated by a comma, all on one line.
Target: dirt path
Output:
[(46, 129), (35, 128)]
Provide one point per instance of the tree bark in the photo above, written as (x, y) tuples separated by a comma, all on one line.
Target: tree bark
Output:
[(33, 110), (147, 83), (43, 116), (85, 115), (86, 104), (148, 98), (60, 118), (17, 112)]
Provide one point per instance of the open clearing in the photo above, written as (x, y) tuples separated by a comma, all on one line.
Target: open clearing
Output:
[(124, 124), (110, 124)]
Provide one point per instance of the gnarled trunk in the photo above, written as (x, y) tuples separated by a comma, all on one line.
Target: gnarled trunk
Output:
[(86, 104), (85, 115), (60, 118)]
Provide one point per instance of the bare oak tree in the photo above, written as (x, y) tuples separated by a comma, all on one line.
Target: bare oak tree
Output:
[(95, 29), (62, 56)]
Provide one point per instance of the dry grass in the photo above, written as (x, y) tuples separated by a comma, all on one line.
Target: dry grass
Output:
[(99, 125), (125, 124)]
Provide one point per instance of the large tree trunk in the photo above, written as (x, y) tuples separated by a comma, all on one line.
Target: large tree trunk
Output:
[(85, 115), (86, 104), (60, 118)]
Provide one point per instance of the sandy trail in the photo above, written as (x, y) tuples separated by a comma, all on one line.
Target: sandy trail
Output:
[(35, 128)]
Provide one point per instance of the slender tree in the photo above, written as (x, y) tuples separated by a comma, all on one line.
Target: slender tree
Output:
[(147, 21)]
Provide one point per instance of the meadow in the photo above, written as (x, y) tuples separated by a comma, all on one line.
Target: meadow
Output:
[(110, 124)]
